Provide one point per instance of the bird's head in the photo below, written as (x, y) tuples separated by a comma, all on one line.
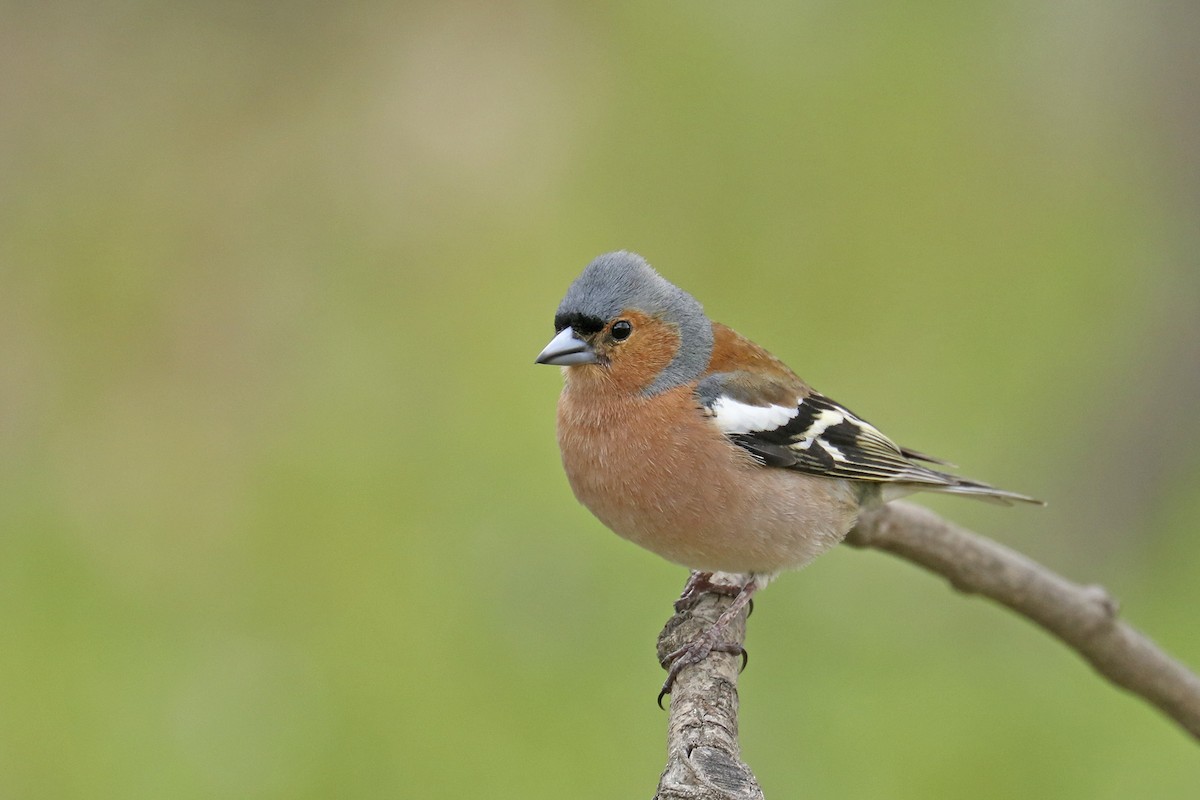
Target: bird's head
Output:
[(623, 322)]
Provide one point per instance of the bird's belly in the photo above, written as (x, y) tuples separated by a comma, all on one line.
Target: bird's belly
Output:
[(705, 503)]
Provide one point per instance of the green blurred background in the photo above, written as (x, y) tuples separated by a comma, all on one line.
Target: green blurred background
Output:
[(281, 514)]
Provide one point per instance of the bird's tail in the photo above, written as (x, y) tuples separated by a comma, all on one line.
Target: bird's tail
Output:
[(984, 492), (930, 480)]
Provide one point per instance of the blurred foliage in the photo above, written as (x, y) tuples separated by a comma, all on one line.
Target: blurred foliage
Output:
[(281, 514)]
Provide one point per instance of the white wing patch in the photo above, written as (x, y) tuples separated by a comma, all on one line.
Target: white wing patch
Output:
[(734, 417), (826, 419), (834, 453)]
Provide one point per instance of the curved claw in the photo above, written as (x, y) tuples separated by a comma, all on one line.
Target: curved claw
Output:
[(692, 654), (676, 667)]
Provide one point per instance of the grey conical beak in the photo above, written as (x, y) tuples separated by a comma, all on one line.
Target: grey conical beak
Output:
[(565, 350)]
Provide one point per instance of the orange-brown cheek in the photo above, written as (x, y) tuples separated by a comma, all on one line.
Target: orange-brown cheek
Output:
[(636, 362)]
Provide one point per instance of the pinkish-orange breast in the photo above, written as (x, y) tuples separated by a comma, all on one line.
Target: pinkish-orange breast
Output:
[(656, 471)]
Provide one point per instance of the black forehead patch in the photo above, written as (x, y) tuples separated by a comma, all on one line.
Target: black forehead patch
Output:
[(583, 324)]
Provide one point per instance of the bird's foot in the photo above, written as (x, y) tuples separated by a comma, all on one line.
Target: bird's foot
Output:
[(713, 639), (700, 584), (695, 652)]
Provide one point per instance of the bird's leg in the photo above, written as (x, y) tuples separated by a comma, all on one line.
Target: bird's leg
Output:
[(697, 584), (710, 641), (701, 583)]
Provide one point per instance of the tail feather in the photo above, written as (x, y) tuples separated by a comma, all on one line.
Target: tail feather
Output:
[(916, 455), (985, 492), (930, 480)]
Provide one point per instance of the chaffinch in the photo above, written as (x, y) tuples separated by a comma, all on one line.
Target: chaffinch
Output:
[(690, 440)]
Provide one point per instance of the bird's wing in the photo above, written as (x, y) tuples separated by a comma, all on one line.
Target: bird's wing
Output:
[(791, 426), (808, 432)]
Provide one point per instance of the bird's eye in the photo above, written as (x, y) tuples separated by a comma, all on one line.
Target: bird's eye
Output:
[(621, 330)]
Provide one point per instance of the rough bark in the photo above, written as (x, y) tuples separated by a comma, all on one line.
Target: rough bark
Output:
[(1083, 617), (703, 756)]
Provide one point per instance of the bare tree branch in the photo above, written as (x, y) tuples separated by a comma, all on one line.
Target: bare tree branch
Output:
[(1083, 617), (703, 756)]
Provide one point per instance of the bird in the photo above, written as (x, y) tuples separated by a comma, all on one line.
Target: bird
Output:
[(690, 440)]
